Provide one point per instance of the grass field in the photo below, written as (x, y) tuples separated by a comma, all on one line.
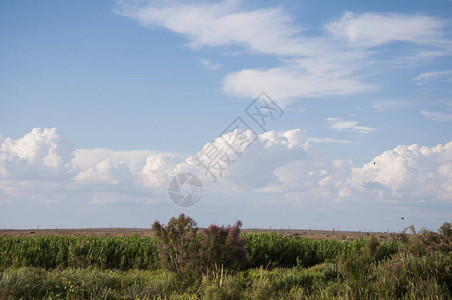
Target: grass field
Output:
[(181, 262), (124, 232)]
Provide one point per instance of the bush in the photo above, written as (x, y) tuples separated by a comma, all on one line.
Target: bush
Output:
[(186, 252), (178, 244), (427, 242), (223, 247)]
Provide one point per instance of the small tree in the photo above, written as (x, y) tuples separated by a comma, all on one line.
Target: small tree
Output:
[(178, 244), (222, 246), (185, 251)]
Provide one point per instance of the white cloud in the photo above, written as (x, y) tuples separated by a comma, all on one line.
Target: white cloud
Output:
[(226, 23), (278, 167), (210, 65), (339, 124), (106, 172), (437, 116), (431, 75), (311, 66), (407, 173), (427, 54), (290, 82), (40, 154), (372, 29), (315, 140), (383, 105), (158, 170)]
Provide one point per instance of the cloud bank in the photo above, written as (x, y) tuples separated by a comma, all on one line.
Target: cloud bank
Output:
[(278, 166)]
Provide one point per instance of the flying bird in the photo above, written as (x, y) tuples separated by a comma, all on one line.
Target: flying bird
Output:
[(374, 163), (403, 218)]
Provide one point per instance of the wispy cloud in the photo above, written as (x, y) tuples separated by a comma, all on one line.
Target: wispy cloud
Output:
[(291, 82), (437, 116), (310, 66), (315, 140), (339, 124), (432, 75), (372, 29), (210, 65), (226, 23), (389, 104)]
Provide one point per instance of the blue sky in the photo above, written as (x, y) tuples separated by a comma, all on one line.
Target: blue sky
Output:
[(102, 103)]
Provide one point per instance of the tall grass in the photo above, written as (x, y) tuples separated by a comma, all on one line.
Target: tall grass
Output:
[(123, 253), (275, 250), (276, 267), (50, 252), (36, 283)]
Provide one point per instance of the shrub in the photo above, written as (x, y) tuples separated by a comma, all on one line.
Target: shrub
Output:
[(222, 246), (178, 244), (427, 242), (186, 252)]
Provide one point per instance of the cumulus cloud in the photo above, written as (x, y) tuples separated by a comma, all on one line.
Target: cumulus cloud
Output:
[(40, 154), (406, 173), (106, 171), (282, 167), (217, 162), (158, 170), (276, 149)]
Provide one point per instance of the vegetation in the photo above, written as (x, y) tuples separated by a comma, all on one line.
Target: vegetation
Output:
[(187, 253), (51, 252), (183, 262)]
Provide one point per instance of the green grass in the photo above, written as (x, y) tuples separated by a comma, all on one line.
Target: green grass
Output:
[(275, 250), (36, 283), (277, 267), (51, 252), (401, 277)]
